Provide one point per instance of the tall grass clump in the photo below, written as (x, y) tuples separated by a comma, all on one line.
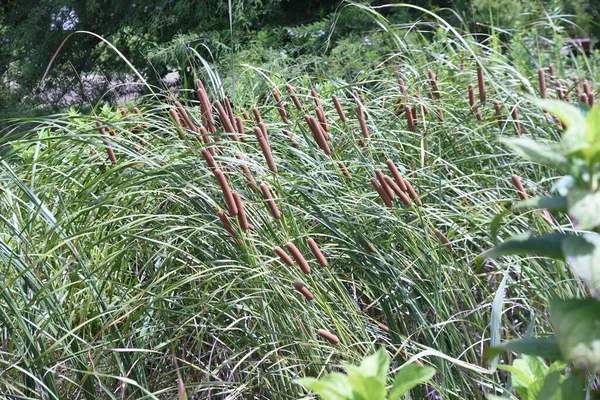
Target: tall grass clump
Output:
[(189, 263)]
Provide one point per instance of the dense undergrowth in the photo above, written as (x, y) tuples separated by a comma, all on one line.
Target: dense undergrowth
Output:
[(121, 281)]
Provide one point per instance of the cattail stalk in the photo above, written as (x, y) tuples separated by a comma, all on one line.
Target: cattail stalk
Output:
[(542, 82), (338, 108), (401, 194), (291, 247), (382, 193), (516, 181), (246, 171), (263, 142), (481, 85), (317, 253), (330, 337), (344, 170), (412, 192), (440, 235), (303, 290), (283, 255), (222, 181), (241, 215), (270, 202)]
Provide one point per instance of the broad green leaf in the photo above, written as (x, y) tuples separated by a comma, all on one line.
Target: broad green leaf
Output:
[(367, 387), (408, 377), (538, 152), (573, 388), (576, 325), (333, 386), (550, 387), (545, 347), (520, 379), (583, 255), (546, 245), (495, 325), (584, 208), (376, 365), (592, 125), (568, 114), (558, 203)]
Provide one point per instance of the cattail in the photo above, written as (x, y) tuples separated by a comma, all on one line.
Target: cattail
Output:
[(551, 71), (283, 255), (270, 202), (415, 117), (396, 174), (224, 117), (203, 134), (403, 88), (359, 99), (401, 195), (175, 115), (412, 192), (280, 107), (440, 114), (298, 257), (382, 193), (591, 99), (443, 238), (205, 107), (241, 215), (409, 117), (560, 92), (338, 108), (542, 81), (245, 115), (318, 133), (344, 170), (586, 88), (185, 116), (124, 111), (519, 186), (317, 253), (498, 107), (583, 98), (515, 116), (226, 191), (473, 103), (304, 290), (576, 84), (226, 223), (257, 116), (383, 327), (481, 85), (361, 120), (246, 170), (384, 185), (210, 161), (433, 81), (287, 133), (316, 98), (295, 99), (322, 120), (263, 142), (330, 337), (421, 103), (229, 110), (109, 150), (239, 125)]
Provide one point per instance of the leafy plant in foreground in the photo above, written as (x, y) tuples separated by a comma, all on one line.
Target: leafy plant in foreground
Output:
[(368, 381), (575, 321)]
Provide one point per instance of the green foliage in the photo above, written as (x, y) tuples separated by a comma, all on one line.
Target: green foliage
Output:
[(368, 381)]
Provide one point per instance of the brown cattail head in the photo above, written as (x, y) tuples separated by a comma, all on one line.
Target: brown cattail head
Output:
[(401, 195), (210, 161), (330, 337), (239, 125), (583, 98), (396, 174), (318, 133), (383, 327), (412, 192), (316, 98), (519, 186), (241, 215), (263, 142), (414, 115), (409, 118), (186, 117), (295, 99), (384, 185), (361, 120), (283, 255), (591, 99), (344, 170), (304, 290), (317, 253), (280, 107), (246, 171), (222, 181), (109, 150), (481, 85), (542, 82), (440, 235), (338, 108), (226, 223), (224, 117), (498, 108), (382, 193), (322, 120), (551, 71), (576, 84), (435, 90), (229, 110), (515, 116), (257, 116), (298, 257), (586, 87), (175, 115), (205, 107), (270, 202)]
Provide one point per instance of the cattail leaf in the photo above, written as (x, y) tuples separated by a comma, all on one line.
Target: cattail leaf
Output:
[(557, 203), (538, 152), (546, 245)]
